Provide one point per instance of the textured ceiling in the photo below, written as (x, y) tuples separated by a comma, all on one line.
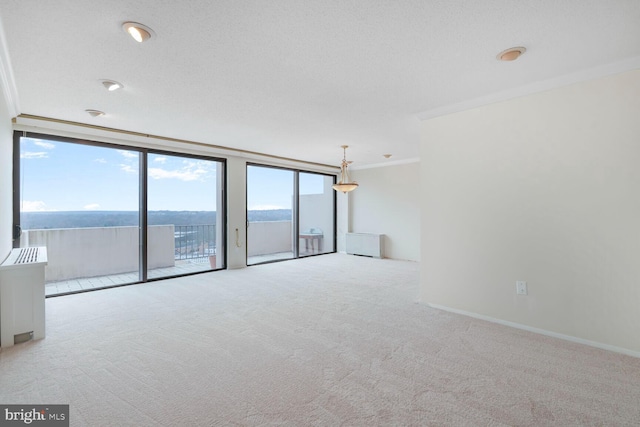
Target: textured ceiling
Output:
[(299, 78)]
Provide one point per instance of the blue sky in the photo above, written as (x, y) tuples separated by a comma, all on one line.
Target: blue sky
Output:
[(59, 176)]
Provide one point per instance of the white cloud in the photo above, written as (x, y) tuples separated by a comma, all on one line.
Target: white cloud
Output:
[(100, 160), (35, 206), (128, 168), (128, 154), (92, 206), (45, 145), (160, 160), (182, 174), (191, 171), (34, 155)]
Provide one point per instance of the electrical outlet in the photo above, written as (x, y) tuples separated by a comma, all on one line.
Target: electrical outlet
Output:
[(521, 287)]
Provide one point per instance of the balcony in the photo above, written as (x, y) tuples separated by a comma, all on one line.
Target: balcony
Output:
[(99, 257), (90, 258)]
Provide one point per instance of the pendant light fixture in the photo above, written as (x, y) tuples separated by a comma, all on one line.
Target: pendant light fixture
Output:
[(345, 184)]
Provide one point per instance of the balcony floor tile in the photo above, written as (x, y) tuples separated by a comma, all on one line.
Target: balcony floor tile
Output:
[(88, 283)]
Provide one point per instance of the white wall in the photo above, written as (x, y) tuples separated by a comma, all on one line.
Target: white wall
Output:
[(236, 212), (387, 202), (343, 223), (6, 171), (95, 251), (544, 188), (316, 212), (269, 237)]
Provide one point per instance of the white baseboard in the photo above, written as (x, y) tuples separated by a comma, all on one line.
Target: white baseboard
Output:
[(596, 344)]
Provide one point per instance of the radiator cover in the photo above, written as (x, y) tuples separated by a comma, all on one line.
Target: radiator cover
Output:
[(22, 304), (366, 244)]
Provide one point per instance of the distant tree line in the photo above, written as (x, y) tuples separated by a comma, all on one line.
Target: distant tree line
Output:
[(84, 219)]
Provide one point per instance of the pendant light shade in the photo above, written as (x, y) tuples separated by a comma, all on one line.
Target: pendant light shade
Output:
[(345, 184)]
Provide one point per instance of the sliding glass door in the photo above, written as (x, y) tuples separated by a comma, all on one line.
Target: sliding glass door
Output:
[(270, 225), (112, 215), (316, 213), (81, 202), (183, 206), (290, 214)]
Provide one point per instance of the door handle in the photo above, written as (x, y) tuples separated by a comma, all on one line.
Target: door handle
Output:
[(238, 244), (17, 231)]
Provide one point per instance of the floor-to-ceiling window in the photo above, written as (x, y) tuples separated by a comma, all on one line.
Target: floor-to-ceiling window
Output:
[(183, 203), (316, 214), (290, 214), (114, 215), (270, 221)]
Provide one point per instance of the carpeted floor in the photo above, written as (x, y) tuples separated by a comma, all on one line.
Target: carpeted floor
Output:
[(333, 340)]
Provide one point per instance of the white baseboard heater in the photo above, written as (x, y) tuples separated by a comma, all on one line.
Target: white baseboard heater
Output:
[(22, 295), (367, 244)]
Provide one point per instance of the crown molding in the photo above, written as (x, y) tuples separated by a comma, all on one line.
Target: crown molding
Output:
[(554, 83), (7, 80)]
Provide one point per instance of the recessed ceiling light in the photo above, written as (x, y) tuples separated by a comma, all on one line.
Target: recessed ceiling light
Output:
[(140, 33), (511, 54), (95, 113), (111, 85)]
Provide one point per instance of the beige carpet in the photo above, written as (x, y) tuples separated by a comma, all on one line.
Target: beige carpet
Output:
[(327, 341)]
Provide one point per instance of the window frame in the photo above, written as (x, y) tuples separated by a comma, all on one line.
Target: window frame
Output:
[(221, 211), (295, 212)]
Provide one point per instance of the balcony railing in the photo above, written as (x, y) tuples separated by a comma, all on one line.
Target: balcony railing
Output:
[(194, 241), (102, 251)]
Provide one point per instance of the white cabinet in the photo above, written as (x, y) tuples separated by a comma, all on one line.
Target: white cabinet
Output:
[(22, 295)]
